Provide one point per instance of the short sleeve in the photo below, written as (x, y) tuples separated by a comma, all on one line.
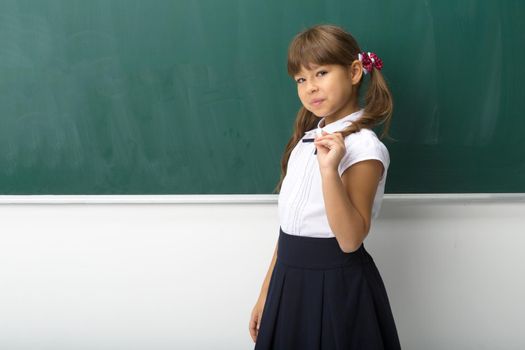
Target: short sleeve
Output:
[(364, 145)]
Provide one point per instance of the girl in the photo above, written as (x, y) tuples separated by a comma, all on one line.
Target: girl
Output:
[(323, 289)]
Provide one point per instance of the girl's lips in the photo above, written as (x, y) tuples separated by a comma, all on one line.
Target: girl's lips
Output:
[(316, 102)]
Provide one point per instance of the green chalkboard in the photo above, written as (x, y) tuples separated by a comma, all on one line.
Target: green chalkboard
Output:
[(192, 97)]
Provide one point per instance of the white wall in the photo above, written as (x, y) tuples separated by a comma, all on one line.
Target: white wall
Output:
[(185, 276)]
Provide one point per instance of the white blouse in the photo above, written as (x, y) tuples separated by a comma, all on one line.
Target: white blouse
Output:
[(300, 202)]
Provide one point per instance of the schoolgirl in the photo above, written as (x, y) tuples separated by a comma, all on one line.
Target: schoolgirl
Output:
[(323, 289)]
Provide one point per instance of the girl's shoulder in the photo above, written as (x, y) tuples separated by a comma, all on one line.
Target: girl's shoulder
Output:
[(364, 137)]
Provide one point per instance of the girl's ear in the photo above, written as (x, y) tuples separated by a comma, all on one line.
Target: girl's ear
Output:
[(356, 72)]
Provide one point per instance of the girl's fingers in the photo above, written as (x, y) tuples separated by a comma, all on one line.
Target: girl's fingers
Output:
[(322, 142), (255, 322), (337, 137), (254, 326), (330, 140), (327, 143)]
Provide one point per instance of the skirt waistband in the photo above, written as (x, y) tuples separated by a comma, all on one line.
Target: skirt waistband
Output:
[(316, 252)]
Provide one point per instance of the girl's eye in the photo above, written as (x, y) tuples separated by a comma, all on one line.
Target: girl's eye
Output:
[(322, 72)]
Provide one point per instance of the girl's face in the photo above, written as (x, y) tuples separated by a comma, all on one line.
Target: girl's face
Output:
[(329, 91)]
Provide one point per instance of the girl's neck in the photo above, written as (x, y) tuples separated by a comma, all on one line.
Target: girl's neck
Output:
[(354, 107)]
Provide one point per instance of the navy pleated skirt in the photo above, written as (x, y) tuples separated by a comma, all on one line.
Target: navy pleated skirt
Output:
[(321, 298)]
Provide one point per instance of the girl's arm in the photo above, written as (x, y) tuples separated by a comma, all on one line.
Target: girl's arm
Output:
[(266, 283), (349, 200)]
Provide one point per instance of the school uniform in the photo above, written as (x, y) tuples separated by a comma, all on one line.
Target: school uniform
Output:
[(319, 297)]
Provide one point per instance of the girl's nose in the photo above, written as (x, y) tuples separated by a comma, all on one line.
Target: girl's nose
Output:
[(312, 88)]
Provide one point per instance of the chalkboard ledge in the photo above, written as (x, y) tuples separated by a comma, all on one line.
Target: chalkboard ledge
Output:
[(243, 198)]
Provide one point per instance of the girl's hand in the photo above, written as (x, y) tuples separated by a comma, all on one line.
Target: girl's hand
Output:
[(255, 319), (330, 150)]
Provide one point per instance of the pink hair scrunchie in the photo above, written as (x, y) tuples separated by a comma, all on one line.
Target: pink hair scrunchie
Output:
[(369, 61)]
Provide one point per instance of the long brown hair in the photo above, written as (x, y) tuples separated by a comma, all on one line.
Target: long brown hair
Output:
[(330, 44)]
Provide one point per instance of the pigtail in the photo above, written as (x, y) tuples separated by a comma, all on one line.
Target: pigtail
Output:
[(378, 101), (378, 104)]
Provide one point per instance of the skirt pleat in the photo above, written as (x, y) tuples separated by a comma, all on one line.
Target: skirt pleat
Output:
[(320, 298)]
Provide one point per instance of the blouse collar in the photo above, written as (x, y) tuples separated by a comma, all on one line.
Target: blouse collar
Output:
[(338, 125)]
